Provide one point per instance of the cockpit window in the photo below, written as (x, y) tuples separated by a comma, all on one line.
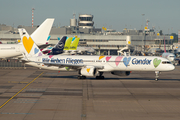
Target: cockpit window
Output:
[(166, 62)]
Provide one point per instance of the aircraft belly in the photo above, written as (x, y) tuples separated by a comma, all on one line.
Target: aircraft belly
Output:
[(140, 68)]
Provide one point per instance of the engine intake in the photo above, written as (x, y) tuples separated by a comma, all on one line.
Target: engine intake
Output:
[(88, 71)]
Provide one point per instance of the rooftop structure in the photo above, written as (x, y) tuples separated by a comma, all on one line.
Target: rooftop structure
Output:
[(85, 21)]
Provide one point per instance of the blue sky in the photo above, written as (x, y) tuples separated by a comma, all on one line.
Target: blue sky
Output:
[(114, 14)]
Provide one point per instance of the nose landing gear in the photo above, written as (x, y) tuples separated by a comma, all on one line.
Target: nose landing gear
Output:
[(157, 75)]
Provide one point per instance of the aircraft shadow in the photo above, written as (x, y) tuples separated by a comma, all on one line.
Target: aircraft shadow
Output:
[(89, 78), (135, 79), (72, 76)]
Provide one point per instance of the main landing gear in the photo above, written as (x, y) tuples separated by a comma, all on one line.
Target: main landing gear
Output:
[(81, 77), (100, 76), (157, 75)]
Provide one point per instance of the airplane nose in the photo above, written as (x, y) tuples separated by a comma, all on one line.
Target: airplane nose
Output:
[(171, 67)]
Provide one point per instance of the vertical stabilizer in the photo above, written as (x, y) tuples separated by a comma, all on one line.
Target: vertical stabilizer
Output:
[(41, 34), (58, 49), (67, 44), (30, 47), (22, 32), (74, 45)]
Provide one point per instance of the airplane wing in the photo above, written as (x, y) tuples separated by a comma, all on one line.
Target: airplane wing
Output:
[(72, 66)]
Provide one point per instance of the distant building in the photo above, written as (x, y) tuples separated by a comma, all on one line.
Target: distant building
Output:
[(3, 27), (104, 42)]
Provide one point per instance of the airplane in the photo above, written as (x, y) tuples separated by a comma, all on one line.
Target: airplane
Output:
[(75, 49), (170, 56), (70, 47), (58, 48), (94, 65), (55, 51), (14, 50), (81, 50), (177, 51), (154, 51)]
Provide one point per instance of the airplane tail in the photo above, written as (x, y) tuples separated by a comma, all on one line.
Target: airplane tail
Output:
[(48, 38), (67, 44), (74, 45), (59, 46), (41, 34), (22, 32), (30, 47), (47, 42)]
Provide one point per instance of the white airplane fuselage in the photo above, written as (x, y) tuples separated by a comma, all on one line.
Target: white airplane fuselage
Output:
[(11, 50), (109, 63)]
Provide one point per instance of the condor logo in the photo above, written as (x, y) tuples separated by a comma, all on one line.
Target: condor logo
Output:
[(141, 61)]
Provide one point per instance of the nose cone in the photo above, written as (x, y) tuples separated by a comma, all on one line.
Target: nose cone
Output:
[(171, 67)]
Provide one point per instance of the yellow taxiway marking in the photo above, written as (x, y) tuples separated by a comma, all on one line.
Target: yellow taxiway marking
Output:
[(20, 91)]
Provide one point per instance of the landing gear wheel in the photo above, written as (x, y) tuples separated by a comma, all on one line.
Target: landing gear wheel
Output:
[(157, 75), (81, 77), (99, 77)]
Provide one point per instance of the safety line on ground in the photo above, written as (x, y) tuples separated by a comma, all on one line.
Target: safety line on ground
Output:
[(20, 91)]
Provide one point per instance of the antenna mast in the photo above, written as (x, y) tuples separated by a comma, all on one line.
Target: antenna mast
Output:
[(32, 17)]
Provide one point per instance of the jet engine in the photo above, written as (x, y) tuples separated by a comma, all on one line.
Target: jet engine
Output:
[(88, 71), (121, 73)]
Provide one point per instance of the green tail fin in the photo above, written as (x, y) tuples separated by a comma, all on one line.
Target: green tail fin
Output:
[(74, 45), (68, 43)]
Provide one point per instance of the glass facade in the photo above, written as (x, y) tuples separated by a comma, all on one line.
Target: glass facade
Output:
[(85, 24), (85, 18)]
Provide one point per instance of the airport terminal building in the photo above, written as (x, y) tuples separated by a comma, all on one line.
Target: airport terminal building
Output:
[(104, 41)]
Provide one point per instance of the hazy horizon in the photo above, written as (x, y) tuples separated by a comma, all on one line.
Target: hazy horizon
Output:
[(115, 14)]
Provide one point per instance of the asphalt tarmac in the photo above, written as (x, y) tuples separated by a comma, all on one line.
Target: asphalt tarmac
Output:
[(34, 94)]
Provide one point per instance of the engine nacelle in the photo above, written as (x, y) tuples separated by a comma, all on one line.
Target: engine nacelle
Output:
[(88, 71), (121, 73)]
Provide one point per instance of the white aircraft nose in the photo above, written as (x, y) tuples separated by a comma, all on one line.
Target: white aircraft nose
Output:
[(171, 67)]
